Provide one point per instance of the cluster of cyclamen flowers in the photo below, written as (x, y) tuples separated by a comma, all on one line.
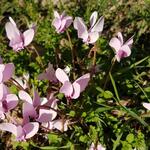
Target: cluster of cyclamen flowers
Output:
[(42, 111)]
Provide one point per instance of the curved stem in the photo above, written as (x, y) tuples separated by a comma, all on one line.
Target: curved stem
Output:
[(112, 65), (12, 80), (39, 57), (72, 53)]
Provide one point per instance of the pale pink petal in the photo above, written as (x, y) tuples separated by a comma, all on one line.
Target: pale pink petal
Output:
[(12, 21), (61, 75), (93, 18), (52, 102), (81, 28), (56, 23), (9, 127), (126, 49), (62, 27), (68, 21), (76, 90), (93, 37), (120, 37), (129, 42), (8, 71), (12, 101), (31, 129), (17, 43), (100, 147), (3, 90), (28, 111), (146, 105), (2, 115), (25, 96), (117, 57), (28, 36), (67, 89), (98, 27), (60, 125), (47, 125), (45, 115), (36, 99), (49, 74), (12, 31), (20, 133), (2, 67), (56, 14), (83, 81), (115, 43)]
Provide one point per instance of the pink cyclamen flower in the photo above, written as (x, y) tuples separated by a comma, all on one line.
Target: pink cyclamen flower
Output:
[(122, 49), (72, 91), (7, 101), (91, 35), (30, 107), (99, 147), (6, 71), (61, 22), (17, 39), (49, 74), (21, 132), (146, 105)]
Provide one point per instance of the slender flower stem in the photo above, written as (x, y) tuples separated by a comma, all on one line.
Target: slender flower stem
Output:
[(112, 65), (12, 80), (94, 51), (72, 53), (39, 57)]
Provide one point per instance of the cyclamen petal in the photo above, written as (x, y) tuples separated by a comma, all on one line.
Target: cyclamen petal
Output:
[(49, 74), (9, 127), (122, 50), (59, 124), (25, 96), (80, 26), (12, 101), (31, 129), (61, 22), (21, 132), (6, 71), (146, 105), (99, 147), (61, 75), (93, 18), (72, 90), (91, 35), (18, 40), (28, 36)]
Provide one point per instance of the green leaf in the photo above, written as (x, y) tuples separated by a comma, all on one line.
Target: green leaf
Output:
[(108, 95), (131, 113), (130, 138), (72, 113)]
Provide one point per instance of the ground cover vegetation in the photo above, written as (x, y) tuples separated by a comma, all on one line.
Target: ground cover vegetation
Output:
[(75, 80)]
